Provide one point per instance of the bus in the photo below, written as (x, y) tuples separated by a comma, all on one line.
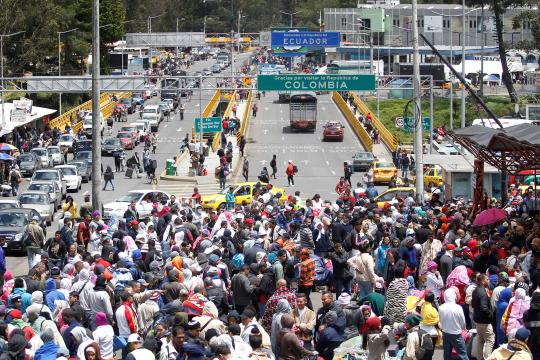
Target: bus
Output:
[(303, 112)]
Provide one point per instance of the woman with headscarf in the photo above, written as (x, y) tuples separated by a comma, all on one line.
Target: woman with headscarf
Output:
[(7, 288), (89, 350), (417, 341), (380, 255), (395, 307), (434, 280), (430, 316), (65, 287), (49, 349), (190, 281), (104, 336), (58, 339), (283, 307), (504, 297), (513, 316), (531, 319)]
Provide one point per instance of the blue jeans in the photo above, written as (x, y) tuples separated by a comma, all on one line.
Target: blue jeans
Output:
[(31, 253), (364, 288), (342, 286), (454, 341), (222, 181), (109, 181)]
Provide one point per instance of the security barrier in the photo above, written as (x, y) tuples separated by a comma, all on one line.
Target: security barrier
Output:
[(245, 118), (389, 139), (358, 129), (216, 142)]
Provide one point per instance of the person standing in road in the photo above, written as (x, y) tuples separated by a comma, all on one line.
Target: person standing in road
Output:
[(347, 171), (273, 165), (404, 162), (15, 178), (255, 109), (117, 161), (245, 168), (242, 145), (483, 317), (290, 171), (36, 237), (108, 176), (182, 109), (229, 198)]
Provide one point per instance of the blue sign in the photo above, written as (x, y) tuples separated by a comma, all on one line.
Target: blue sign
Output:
[(305, 39)]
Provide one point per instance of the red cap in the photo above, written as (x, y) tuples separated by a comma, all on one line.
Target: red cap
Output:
[(15, 314), (248, 221), (451, 247), (134, 222)]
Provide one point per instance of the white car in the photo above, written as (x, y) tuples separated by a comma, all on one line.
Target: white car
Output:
[(52, 175), (7, 204), (56, 155), (39, 201), (87, 124), (143, 129), (43, 157), (66, 140), (143, 198), (51, 188), (71, 174)]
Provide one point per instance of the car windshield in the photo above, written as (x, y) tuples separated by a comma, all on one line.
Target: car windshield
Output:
[(127, 128), (65, 138), (8, 205), (40, 152), (110, 141), (385, 165), (33, 199), (149, 111), (88, 120), (83, 155), (81, 165), (529, 180), (124, 135), (45, 175), (124, 101), (130, 197), (54, 150), (41, 187), (27, 157), (68, 171), (13, 219)]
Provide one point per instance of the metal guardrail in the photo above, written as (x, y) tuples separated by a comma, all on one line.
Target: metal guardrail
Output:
[(107, 109), (358, 129), (63, 120), (216, 142), (209, 109), (245, 118), (389, 139)]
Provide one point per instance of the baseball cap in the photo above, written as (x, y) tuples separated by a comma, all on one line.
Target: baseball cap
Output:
[(36, 218), (450, 247), (133, 338)]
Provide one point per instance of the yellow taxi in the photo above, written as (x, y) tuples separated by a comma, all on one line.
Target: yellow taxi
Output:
[(242, 192), (383, 171), (432, 174), (389, 195)]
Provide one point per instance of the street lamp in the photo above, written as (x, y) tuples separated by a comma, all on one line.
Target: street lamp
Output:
[(60, 64), (290, 16), (360, 23), (150, 22), (204, 23), (2, 66), (182, 19)]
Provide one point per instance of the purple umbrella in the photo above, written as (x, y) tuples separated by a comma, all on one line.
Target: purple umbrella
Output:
[(490, 216)]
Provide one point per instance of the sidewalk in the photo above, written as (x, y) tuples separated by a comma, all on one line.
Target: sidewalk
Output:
[(212, 160), (380, 151)]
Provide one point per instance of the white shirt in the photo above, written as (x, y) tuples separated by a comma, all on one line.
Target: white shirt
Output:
[(104, 336), (451, 315), (168, 352)]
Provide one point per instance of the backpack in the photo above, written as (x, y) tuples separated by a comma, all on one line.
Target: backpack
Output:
[(426, 349), (295, 169), (323, 274)]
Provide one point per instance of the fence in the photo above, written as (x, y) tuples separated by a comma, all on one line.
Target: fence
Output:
[(64, 120), (389, 139), (217, 136), (245, 118), (358, 129)]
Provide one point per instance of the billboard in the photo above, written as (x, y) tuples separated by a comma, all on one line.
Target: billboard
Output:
[(305, 39), (433, 24)]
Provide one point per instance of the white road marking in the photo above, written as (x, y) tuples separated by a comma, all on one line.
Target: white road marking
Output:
[(263, 162), (323, 108), (282, 138), (179, 129), (322, 150), (164, 126), (327, 162), (305, 162), (333, 172), (265, 131), (266, 108)]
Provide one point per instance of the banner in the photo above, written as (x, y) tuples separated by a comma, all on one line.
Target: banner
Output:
[(433, 24), (305, 39)]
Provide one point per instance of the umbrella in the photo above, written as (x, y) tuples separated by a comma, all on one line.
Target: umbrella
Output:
[(4, 156), (7, 147), (490, 216)]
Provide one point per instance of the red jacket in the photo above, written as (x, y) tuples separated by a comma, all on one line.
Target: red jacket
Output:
[(290, 170)]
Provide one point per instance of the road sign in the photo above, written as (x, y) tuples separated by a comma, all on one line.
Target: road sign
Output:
[(210, 124), (408, 124), (302, 82), (399, 122), (425, 123), (305, 38)]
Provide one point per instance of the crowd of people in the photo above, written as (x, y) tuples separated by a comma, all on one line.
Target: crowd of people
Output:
[(184, 283)]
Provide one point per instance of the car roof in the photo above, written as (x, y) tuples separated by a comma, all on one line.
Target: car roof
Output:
[(53, 146), (39, 148), (34, 192), (19, 210), (46, 170), (151, 107), (65, 166), (124, 132), (9, 201)]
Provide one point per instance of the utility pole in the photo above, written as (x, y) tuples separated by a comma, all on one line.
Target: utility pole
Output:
[(96, 109), (60, 65), (417, 110), (290, 14), (463, 68), (482, 53), (451, 78), (2, 66), (232, 58), (201, 115)]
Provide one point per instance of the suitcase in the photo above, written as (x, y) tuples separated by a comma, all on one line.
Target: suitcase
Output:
[(129, 172), (154, 164)]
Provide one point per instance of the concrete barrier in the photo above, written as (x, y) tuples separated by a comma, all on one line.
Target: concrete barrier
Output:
[(245, 118), (358, 129), (389, 139)]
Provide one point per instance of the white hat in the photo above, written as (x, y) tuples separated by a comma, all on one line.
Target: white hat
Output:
[(290, 161), (134, 338)]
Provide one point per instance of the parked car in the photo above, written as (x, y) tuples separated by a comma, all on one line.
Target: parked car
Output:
[(383, 171), (88, 124), (110, 145), (84, 169), (362, 161), (333, 130), (29, 163), (126, 140), (56, 155), (14, 227), (128, 104), (143, 129), (143, 198), (66, 140), (51, 175), (39, 201), (71, 174), (207, 72), (166, 109), (43, 157), (51, 188), (82, 145), (7, 204)]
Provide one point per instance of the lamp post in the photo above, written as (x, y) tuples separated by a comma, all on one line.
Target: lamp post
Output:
[(2, 66), (182, 19), (290, 14), (150, 22), (60, 63), (204, 23), (240, 16)]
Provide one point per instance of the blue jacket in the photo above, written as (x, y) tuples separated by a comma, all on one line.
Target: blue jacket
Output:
[(504, 298), (52, 294), (229, 197), (69, 340), (26, 299), (371, 192), (47, 351), (409, 255), (2, 261), (329, 339)]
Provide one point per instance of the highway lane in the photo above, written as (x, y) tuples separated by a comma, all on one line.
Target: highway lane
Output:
[(320, 164)]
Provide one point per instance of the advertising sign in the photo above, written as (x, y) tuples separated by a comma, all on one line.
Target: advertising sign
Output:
[(305, 38), (300, 82), (433, 24)]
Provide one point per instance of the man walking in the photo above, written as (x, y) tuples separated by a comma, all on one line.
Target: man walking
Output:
[(452, 322), (483, 317), (182, 109), (273, 165), (245, 168), (290, 171), (35, 242)]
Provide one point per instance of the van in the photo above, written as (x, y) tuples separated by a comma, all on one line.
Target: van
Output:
[(154, 115), (87, 124)]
